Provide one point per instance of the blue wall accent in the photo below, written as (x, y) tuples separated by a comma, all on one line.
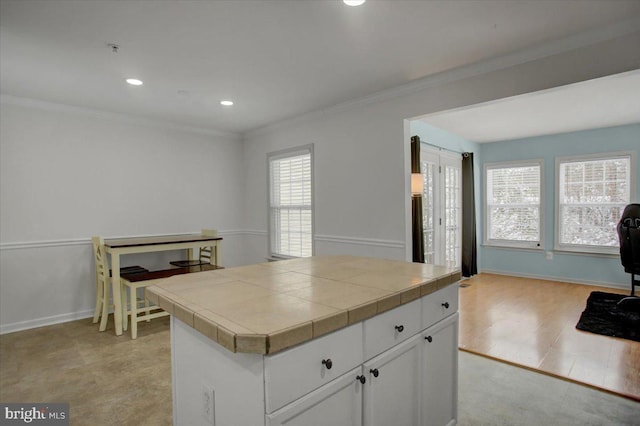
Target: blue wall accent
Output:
[(571, 267)]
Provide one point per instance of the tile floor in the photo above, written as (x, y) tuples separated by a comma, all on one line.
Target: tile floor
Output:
[(498, 394), (111, 380), (107, 380)]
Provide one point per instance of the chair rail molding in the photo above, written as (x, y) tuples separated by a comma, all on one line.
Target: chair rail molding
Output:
[(82, 241), (360, 241)]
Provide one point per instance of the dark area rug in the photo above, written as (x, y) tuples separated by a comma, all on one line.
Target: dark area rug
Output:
[(604, 316)]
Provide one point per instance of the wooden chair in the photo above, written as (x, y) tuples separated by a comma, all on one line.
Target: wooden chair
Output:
[(134, 305), (103, 282), (206, 256)]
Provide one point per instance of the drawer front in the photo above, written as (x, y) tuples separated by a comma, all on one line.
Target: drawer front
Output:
[(390, 328), (439, 305), (293, 373)]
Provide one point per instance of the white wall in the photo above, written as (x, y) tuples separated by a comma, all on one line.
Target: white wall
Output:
[(362, 148), (67, 174)]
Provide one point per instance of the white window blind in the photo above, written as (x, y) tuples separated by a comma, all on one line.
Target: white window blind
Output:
[(441, 206), (428, 170), (291, 204), (513, 204), (592, 194), (453, 215)]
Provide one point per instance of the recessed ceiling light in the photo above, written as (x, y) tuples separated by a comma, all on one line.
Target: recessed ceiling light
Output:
[(134, 82), (353, 2), (226, 103)]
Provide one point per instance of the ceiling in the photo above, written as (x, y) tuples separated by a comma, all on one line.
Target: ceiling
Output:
[(604, 102), (275, 59)]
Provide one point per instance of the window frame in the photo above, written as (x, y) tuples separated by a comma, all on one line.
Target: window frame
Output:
[(277, 155), (499, 243), (590, 249)]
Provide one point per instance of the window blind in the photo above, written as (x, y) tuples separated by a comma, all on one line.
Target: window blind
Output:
[(291, 225), (513, 203), (592, 196)]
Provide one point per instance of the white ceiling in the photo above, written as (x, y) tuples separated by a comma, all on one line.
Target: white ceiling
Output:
[(604, 102), (275, 59)]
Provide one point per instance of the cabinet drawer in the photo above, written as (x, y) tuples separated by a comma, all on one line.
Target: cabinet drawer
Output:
[(390, 328), (439, 305), (293, 373)]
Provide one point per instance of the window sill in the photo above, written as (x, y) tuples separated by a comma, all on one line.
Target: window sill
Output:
[(586, 253), (513, 247)]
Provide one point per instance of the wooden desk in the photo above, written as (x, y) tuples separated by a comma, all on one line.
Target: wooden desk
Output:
[(120, 246)]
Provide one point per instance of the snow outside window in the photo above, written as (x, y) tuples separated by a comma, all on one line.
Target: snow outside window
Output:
[(592, 193), (291, 203), (513, 204)]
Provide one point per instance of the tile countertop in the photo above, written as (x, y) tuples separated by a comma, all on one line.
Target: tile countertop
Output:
[(267, 307)]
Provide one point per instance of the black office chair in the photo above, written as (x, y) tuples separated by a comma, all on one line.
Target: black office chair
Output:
[(629, 236)]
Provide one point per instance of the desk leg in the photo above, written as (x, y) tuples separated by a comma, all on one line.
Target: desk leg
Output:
[(190, 254), (217, 256), (117, 297)]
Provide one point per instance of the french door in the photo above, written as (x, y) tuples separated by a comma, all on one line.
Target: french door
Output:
[(441, 206)]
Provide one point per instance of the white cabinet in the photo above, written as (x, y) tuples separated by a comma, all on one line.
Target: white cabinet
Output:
[(390, 328), (439, 305), (414, 381), (392, 391), (301, 369), (440, 373), (338, 403), (398, 368)]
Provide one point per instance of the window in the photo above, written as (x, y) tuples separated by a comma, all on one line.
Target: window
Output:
[(591, 195), (441, 207), (291, 202), (513, 204)]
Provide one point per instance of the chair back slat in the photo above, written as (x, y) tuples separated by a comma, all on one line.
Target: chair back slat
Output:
[(102, 270), (206, 253)]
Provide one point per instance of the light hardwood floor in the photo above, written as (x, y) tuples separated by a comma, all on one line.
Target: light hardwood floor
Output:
[(531, 323)]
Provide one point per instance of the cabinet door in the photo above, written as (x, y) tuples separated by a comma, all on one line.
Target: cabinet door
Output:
[(392, 388), (440, 373), (338, 403)]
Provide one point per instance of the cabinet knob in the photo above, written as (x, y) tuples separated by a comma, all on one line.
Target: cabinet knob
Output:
[(327, 363), (400, 328), (446, 305), (375, 372), (361, 379), (428, 339)]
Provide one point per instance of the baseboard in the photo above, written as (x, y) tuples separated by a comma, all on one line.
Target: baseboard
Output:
[(42, 322), (560, 279)]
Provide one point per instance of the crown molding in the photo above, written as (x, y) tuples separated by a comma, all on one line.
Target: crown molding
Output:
[(519, 57), (8, 99)]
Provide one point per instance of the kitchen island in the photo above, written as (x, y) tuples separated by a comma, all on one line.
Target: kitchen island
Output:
[(326, 340)]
